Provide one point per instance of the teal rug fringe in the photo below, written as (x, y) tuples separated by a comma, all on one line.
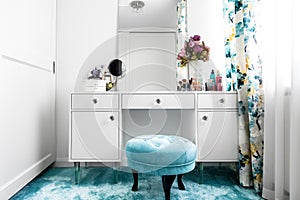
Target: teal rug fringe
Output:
[(98, 184)]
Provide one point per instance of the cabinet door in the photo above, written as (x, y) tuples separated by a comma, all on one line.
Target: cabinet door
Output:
[(217, 136), (95, 136)]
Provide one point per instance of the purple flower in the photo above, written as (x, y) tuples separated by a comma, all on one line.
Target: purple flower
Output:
[(197, 49), (181, 54), (193, 49), (196, 38), (191, 44)]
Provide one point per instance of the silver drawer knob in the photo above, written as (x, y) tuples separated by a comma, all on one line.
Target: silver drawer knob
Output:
[(222, 100), (95, 101), (158, 101), (112, 118), (205, 118)]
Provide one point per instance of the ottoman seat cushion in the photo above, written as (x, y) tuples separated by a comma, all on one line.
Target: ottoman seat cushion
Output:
[(161, 154)]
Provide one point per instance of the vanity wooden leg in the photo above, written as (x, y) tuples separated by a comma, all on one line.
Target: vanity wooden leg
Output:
[(200, 172), (77, 172), (115, 174), (220, 165), (237, 171)]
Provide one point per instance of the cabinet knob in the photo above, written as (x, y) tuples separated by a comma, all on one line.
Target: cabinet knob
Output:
[(158, 101), (205, 118), (112, 118), (222, 100), (95, 101)]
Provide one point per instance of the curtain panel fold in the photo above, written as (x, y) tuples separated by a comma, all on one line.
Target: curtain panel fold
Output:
[(182, 35), (244, 75), (181, 24)]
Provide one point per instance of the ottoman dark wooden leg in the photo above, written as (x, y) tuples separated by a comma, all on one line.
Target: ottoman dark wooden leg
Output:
[(180, 183), (167, 181), (135, 175)]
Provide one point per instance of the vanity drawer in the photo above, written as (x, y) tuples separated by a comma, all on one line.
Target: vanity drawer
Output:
[(90, 101), (158, 101), (217, 101)]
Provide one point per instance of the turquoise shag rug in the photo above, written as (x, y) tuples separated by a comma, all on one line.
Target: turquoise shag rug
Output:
[(98, 184)]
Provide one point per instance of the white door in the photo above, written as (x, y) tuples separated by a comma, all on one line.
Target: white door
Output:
[(27, 135)]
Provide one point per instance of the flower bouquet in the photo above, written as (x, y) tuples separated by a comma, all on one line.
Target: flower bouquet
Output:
[(194, 49)]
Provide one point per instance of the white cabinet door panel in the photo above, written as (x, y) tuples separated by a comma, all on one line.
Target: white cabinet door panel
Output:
[(95, 136), (217, 136)]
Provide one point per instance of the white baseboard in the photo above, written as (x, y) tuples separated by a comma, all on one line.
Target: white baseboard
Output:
[(18, 182)]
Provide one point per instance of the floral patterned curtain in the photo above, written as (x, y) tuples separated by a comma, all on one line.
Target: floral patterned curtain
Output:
[(244, 75), (182, 34)]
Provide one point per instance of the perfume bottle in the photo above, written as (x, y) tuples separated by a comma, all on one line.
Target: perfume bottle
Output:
[(213, 80), (219, 81)]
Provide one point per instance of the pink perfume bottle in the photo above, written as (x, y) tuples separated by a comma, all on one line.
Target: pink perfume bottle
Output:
[(219, 81)]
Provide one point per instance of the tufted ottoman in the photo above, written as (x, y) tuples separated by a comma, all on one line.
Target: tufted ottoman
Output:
[(163, 155)]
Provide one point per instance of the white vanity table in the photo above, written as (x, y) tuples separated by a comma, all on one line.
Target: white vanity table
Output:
[(102, 123)]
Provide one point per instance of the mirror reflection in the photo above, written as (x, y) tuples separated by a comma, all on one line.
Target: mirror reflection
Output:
[(153, 15), (147, 43)]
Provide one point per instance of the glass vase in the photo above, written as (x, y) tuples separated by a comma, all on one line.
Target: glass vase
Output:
[(195, 75)]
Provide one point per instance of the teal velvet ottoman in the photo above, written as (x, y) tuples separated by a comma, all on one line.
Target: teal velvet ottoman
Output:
[(164, 155)]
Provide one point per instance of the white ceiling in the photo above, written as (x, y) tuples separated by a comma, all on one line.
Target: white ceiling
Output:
[(156, 14)]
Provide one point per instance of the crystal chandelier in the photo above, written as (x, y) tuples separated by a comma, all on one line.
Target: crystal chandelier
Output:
[(137, 6)]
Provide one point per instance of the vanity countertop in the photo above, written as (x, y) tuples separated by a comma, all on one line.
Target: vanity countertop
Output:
[(158, 92)]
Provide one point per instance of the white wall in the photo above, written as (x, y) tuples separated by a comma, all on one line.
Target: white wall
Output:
[(27, 137), (205, 18), (84, 28)]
